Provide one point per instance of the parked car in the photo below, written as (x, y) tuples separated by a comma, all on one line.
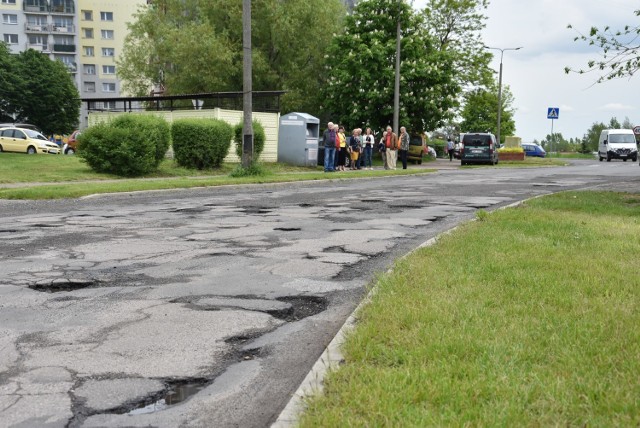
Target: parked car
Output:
[(479, 147), (432, 152), (21, 125), (71, 146), (417, 148), (28, 141), (531, 149)]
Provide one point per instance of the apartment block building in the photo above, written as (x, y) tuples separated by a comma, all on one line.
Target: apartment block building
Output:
[(102, 26), (86, 35)]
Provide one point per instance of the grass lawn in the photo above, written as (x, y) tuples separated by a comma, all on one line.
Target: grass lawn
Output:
[(51, 175), (528, 317)]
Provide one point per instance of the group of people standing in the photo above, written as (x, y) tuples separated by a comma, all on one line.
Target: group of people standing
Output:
[(359, 148)]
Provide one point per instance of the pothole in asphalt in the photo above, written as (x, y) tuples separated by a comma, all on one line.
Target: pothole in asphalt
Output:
[(176, 392), (62, 284), (302, 307), (190, 210), (406, 206), (45, 225), (288, 229), (256, 210), (337, 249), (371, 201), (296, 308), (305, 205)]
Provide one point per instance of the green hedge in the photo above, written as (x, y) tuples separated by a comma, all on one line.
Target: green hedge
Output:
[(439, 146), (121, 151), (201, 143), (155, 128), (259, 138)]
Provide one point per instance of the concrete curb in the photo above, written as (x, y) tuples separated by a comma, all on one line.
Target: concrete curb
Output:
[(332, 357)]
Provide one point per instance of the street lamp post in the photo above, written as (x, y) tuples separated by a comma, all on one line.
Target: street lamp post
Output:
[(500, 86)]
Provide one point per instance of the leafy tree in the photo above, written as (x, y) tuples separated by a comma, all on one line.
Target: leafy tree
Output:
[(620, 51), (456, 26), (10, 79), (480, 112), (591, 138), (45, 95), (191, 46), (627, 124), (361, 70), (557, 143)]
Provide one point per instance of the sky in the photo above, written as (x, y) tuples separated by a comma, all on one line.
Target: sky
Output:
[(535, 74)]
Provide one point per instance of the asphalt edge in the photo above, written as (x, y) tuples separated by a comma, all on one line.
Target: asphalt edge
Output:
[(331, 358)]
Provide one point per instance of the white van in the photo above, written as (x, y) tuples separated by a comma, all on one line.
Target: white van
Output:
[(617, 144)]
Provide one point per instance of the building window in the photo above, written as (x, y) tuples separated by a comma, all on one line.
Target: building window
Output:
[(109, 105), (88, 51), (11, 39), (108, 69), (107, 34), (87, 33), (9, 19), (106, 16), (108, 52), (89, 86), (8, 1), (108, 87), (89, 69), (87, 15)]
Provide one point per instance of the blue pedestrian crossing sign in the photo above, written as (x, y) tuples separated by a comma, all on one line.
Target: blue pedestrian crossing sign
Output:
[(553, 112)]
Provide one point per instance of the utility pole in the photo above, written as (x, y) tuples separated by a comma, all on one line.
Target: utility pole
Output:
[(396, 93), (500, 88), (247, 101)]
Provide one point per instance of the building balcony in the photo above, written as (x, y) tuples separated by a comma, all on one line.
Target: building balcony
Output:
[(58, 7), (57, 47), (68, 29), (66, 7), (38, 47), (35, 6), (37, 28), (72, 67)]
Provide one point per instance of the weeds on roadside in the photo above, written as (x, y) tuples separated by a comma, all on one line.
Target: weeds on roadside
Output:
[(254, 170)]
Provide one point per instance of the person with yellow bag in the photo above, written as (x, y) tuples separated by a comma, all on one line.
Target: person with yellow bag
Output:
[(355, 146)]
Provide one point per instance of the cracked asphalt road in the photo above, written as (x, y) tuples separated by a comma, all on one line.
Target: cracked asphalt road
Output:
[(207, 307)]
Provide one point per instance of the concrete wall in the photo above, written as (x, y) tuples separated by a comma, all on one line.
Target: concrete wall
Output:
[(270, 122)]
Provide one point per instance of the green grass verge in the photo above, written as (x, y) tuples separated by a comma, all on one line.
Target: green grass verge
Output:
[(528, 317), (170, 177)]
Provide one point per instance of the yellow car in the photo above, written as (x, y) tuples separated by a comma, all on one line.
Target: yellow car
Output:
[(25, 141)]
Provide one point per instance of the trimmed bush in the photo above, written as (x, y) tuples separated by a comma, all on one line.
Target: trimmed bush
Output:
[(156, 129), (201, 143), (440, 146), (258, 139), (120, 151)]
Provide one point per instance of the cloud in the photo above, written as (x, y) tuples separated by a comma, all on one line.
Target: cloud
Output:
[(564, 107), (616, 107)]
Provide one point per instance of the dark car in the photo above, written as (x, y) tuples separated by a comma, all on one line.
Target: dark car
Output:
[(531, 149), (478, 147)]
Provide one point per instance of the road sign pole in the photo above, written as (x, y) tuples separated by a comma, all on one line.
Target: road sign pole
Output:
[(551, 139), (552, 113)]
